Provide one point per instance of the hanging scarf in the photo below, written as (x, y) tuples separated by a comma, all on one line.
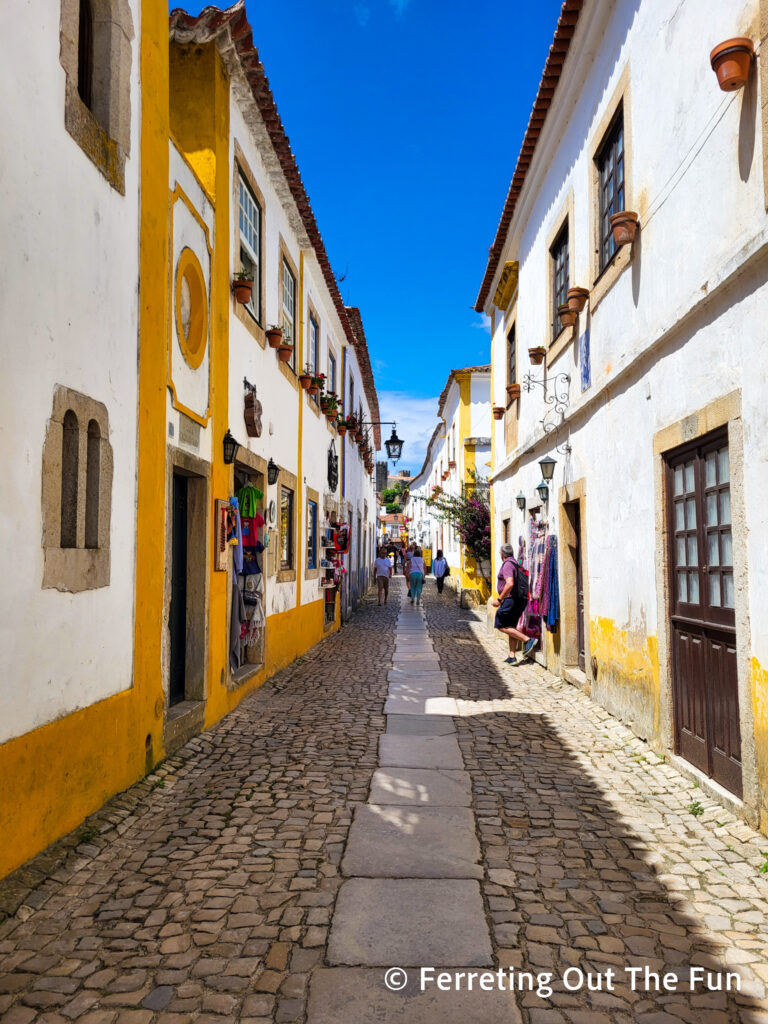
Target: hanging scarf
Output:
[(552, 594)]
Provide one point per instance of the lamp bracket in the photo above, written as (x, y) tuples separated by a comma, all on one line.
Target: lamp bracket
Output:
[(563, 447), (558, 397)]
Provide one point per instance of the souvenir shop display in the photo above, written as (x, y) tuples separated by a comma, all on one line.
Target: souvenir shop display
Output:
[(248, 616), (544, 595)]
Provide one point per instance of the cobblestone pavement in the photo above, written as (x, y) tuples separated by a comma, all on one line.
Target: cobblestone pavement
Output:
[(205, 893)]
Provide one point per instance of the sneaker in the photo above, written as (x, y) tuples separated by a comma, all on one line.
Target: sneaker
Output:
[(530, 647)]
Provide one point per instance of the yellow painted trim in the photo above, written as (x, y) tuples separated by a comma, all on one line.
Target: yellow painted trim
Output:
[(202, 419), (191, 168), (298, 358), (507, 284)]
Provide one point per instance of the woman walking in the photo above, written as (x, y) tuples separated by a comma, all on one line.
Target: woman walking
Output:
[(440, 570), (382, 570), (407, 554), (417, 575), (511, 607)]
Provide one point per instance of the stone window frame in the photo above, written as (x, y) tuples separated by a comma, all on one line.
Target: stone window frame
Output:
[(313, 574), (77, 568), (254, 326), (289, 370), (603, 280), (290, 481), (564, 220), (103, 132), (512, 406)]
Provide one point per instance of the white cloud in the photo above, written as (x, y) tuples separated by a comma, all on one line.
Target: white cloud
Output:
[(483, 323), (416, 419), (362, 14)]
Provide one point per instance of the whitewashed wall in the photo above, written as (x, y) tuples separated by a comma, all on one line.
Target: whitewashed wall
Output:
[(69, 316)]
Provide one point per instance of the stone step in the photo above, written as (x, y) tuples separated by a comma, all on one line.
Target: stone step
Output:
[(420, 725), (419, 751), (421, 787)]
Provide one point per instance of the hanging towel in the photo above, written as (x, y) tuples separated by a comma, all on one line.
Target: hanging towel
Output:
[(237, 617), (237, 554)]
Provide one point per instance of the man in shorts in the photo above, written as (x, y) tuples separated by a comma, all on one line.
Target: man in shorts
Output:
[(382, 570), (511, 608)]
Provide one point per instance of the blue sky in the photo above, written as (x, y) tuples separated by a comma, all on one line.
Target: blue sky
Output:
[(406, 117)]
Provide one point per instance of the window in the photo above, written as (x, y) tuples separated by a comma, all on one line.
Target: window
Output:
[(95, 39), (85, 54), (331, 372), (250, 244), (351, 410), (610, 170), (286, 528), (511, 356), (76, 494), (311, 534), (559, 253), (505, 531), (289, 311), (314, 340)]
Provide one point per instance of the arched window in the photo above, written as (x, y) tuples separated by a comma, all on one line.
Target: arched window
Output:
[(69, 462), (92, 475), (85, 54)]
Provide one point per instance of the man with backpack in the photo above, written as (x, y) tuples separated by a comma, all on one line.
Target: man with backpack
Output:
[(512, 586)]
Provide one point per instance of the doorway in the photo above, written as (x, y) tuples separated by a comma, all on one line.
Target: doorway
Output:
[(575, 645), (177, 617), (702, 617)]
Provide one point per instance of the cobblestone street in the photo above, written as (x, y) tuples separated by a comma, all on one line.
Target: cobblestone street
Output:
[(233, 885)]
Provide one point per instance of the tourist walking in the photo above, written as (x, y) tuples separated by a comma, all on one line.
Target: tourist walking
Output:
[(512, 588), (440, 570), (416, 579), (407, 554), (382, 570)]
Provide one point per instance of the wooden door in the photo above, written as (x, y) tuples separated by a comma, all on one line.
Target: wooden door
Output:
[(579, 585), (702, 616)]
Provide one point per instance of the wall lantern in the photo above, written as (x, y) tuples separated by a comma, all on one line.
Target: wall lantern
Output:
[(521, 501), (543, 491), (394, 446), (272, 472), (547, 467), (230, 449)]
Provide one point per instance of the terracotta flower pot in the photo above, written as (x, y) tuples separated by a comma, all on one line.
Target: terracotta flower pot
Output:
[(567, 316), (731, 61), (498, 412), (537, 355), (513, 392), (305, 380), (452, 464), (242, 290), (577, 298), (284, 353), (624, 226), (312, 389), (331, 414), (275, 338), (342, 429)]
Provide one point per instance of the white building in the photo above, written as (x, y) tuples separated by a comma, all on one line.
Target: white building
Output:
[(652, 404), (457, 457)]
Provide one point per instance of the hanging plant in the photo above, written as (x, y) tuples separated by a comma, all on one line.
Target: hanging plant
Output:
[(284, 353), (274, 336), (624, 225), (498, 414), (731, 61), (577, 298), (513, 392), (537, 354), (567, 316), (242, 286)]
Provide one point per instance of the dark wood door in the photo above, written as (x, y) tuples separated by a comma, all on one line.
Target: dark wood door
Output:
[(579, 585), (178, 610), (703, 629)]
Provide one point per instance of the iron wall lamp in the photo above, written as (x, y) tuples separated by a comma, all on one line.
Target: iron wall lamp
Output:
[(521, 501), (273, 471), (547, 467), (543, 491), (230, 448)]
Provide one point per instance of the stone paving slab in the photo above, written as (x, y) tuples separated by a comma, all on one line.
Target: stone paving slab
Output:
[(357, 995), (419, 751), (421, 787), (401, 704), (425, 657), (432, 685), (408, 842), (421, 725), (409, 922)]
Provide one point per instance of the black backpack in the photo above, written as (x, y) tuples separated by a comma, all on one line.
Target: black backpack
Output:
[(520, 588)]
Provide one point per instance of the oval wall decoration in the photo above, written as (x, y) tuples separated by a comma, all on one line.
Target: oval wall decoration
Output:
[(191, 308)]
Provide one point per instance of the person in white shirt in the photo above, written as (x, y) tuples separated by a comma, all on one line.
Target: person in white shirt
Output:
[(440, 570), (382, 570), (416, 580)]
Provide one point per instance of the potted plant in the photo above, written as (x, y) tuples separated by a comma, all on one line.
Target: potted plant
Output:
[(330, 406), (513, 392), (284, 352), (242, 286), (731, 61), (305, 379), (567, 316), (452, 464), (577, 298), (341, 426), (624, 225), (537, 354), (498, 412), (274, 336)]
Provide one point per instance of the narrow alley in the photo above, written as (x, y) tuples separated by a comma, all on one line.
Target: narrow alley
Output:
[(397, 798)]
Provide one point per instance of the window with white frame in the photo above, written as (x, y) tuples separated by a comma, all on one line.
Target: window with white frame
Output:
[(331, 372), (289, 310), (314, 345), (250, 244)]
